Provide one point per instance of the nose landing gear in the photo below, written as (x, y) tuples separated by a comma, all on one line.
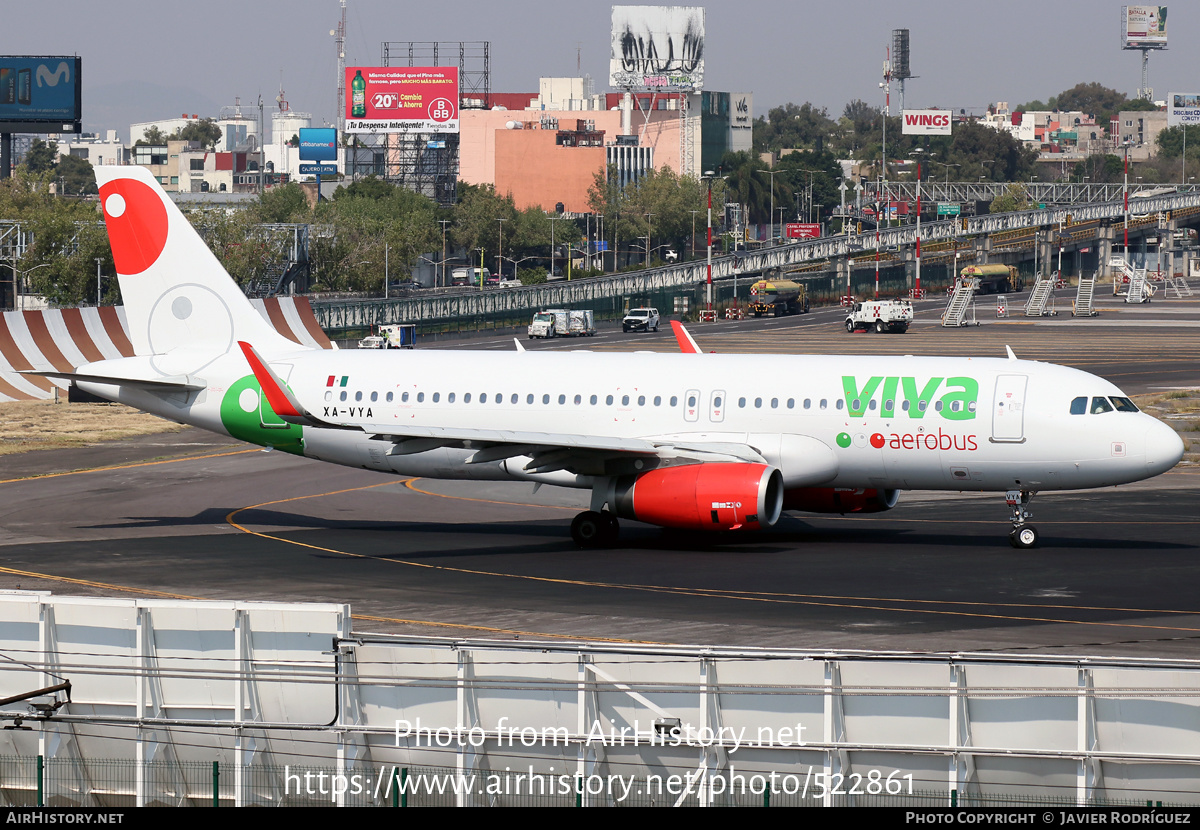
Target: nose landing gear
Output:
[(1022, 535)]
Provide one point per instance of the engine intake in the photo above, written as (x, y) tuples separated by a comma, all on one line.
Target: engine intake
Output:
[(722, 496)]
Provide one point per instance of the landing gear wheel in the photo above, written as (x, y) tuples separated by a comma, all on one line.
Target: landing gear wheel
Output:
[(593, 530), (850, 326), (1023, 537), (880, 327)]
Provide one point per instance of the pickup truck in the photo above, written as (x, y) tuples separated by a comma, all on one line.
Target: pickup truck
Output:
[(880, 315), (640, 319)]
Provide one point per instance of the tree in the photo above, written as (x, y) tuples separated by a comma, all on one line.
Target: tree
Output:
[(1014, 198), (153, 136), (1093, 98), (205, 132), (1105, 169), (792, 126), (285, 203), (76, 175), (42, 157)]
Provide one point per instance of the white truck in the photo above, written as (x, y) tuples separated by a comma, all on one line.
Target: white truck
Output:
[(880, 315), (559, 322)]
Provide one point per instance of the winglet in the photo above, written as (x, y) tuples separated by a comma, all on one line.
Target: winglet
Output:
[(520, 348), (1011, 356), (686, 344), (282, 401)]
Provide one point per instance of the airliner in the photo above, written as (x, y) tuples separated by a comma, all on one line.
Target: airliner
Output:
[(684, 440)]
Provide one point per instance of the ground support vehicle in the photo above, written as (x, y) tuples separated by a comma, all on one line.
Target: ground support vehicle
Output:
[(880, 316), (778, 297), (640, 319), (994, 279)]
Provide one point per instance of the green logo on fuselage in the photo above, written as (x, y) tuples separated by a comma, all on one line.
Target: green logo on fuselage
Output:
[(963, 391), (248, 416)]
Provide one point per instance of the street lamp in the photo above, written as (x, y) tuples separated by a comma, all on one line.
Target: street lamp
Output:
[(708, 177), (648, 233), (17, 275), (444, 223), (499, 252), (771, 215)]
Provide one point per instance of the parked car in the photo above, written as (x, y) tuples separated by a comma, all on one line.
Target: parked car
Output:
[(641, 319)]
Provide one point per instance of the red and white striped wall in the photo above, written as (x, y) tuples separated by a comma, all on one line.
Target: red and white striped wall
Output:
[(62, 339)]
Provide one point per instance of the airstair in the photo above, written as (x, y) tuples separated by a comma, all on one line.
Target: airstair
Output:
[(962, 301), (1140, 290), (1041, 296), (1083, 298), (1177, 284)]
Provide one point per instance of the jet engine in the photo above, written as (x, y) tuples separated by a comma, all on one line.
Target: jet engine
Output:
[(838, 500), (716, 496)]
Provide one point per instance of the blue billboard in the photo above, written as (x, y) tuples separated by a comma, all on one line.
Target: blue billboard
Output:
[(39, 94), (318, 144)]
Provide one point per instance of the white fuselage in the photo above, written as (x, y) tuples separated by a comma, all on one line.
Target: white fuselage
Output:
[(920, 423)]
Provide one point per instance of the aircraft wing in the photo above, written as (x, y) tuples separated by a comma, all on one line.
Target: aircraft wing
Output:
[(583, 454)]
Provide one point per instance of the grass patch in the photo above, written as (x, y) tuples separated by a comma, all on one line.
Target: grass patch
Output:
[(42, 425)]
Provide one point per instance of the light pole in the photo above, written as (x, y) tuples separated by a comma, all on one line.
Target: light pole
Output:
[(17, 275), (708, 176), (499, 252), (648, 234), (553, 219), (98, 278), (771, 214), (444, 223)]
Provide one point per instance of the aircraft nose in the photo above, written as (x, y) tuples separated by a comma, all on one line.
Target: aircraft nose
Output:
[(1164, 448)]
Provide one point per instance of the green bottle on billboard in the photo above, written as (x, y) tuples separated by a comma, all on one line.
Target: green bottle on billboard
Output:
[(358, 96)]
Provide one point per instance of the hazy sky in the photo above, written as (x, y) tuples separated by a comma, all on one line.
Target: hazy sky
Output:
[(144, 60)]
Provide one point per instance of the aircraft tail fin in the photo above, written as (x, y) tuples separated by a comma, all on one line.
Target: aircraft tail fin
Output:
[(177, 295)]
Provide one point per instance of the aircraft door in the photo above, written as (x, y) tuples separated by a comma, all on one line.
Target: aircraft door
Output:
[(1008, 409), (691, 405), (716, 406)]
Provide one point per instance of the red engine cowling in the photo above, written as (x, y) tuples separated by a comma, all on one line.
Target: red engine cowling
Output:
[(724, 496), (835, 500)]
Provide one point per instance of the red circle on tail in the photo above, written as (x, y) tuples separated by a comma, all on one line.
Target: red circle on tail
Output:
[(137, 229)]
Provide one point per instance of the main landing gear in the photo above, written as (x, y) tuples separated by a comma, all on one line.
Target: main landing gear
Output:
[(1022, 535), (593, 529)]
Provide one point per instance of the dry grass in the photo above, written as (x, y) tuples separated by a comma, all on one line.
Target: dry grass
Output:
[(41, 425)]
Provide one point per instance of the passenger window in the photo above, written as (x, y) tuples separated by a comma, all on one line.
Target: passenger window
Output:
[(529, 399), (625, 400), (389, 397), (758, 403), (674, 400), (328, 396), (824, 403), (437, 396), (871, 404), (956, 406), (791, 403), (808, 403), (658, 400), (514, 398), (608, 400), (938, 406), (593, 400), (922, 405), (691, 401), (904, 405), (578, 400), (374, 397), (1100, 405), (545, 399), (562, 399), (420, 397), (642, 400), (358, 396), (840, 403), (404, 397), (888, 406), (483, 397), (742, 403), (774, 403)]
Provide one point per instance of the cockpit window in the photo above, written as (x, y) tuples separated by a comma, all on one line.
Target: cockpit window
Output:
[(1079, 406), (1101, 405), (1124, 404)]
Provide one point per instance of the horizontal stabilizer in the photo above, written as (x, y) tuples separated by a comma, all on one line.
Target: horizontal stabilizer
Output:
[(166, 384)]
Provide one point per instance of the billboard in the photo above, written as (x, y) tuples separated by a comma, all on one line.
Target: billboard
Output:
[(657, 48), (402, 99), (1183, 108), (801, 230), (318, 144), (926, 122), (1144, 27), (39, 94)]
